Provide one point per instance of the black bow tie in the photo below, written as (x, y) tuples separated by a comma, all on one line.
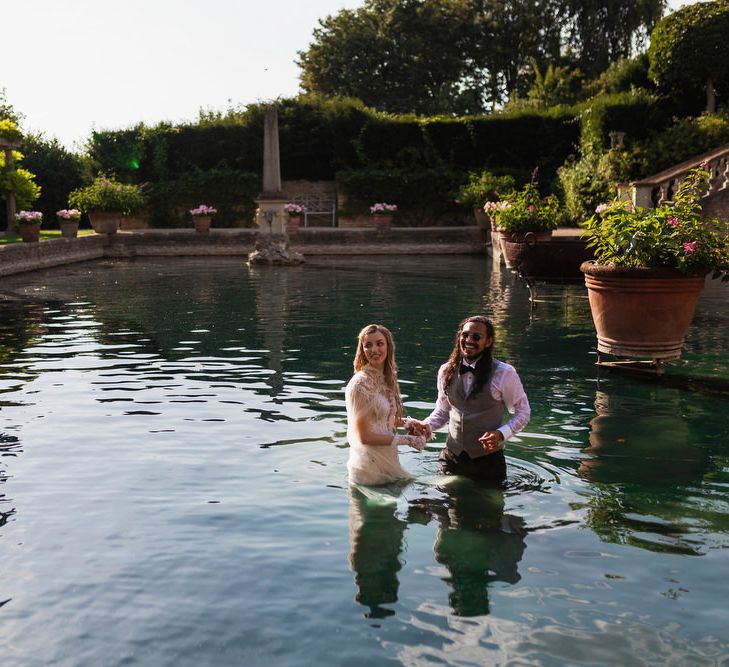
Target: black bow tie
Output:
[(465, 368)]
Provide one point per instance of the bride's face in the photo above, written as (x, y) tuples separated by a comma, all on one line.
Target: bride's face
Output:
[(375, 349)]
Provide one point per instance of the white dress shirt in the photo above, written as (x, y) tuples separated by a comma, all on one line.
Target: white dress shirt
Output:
[(505, 386)]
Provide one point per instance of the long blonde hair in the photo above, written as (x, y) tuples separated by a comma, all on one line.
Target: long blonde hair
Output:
[(389, 370)]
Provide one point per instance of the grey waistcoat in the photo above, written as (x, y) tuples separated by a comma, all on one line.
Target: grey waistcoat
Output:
[(471, 416)]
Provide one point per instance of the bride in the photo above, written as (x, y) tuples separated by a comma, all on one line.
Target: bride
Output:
[(374, 411)]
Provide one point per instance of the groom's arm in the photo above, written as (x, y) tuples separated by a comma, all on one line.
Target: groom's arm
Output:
[(441, 413)]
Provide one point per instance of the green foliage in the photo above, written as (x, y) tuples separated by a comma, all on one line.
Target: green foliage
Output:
[(604, 31), (231, 192), (18, 180), (423, 196), (106, 193), (526, 210), (636, 113), (9, 130), (673, 236), (622, 76), (556, 86), (416, 162), (689, 51), (463, 57), (587, 182), (686, 138), (58, 172), (484, 186), (397, 56)]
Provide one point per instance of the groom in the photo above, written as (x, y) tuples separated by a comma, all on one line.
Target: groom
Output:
[(474, 393)]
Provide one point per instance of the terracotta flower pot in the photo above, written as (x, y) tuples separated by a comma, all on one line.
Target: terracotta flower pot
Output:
[(515, 239), (383, 222), (29, 231), (641, 313), (202, 223), (69, 228), (105, 222), (554, 261), (293, 223)]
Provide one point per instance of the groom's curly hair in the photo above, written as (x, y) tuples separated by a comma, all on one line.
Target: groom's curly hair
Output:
[(484, 365)]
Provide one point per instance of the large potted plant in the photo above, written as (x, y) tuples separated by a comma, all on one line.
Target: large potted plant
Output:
[(202, 218), (105, 201), (649, 269), (294, 212), (522, 217), (382, 214), (29, 224), (483, 187), (68, 221)]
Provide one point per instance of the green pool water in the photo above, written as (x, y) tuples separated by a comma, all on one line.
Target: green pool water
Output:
[(173, 484)]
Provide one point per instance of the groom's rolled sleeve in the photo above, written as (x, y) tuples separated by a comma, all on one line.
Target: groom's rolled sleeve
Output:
[(507, 386)]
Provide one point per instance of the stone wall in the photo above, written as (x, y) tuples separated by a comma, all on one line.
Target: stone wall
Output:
[(717, 205), (21, 257)]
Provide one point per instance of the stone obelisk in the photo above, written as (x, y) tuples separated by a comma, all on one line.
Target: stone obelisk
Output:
[(272, 243)]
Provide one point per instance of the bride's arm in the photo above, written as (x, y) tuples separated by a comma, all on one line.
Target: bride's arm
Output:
[(362, 428), (359, 399)]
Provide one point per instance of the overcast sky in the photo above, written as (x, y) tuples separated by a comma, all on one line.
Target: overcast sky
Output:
[(73, 65)]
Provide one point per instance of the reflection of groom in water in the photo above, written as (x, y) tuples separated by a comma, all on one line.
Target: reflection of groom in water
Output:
[(474, 392), (479, 544)]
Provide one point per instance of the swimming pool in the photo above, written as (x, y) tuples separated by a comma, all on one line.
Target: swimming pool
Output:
[(173, 484)]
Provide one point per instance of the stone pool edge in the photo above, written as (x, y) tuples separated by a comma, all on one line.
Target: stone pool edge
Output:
[(21, 257)]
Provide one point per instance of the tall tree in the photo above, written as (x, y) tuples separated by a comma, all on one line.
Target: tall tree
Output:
[(397, 55), (690, 50), (465, 56), (601, 32)]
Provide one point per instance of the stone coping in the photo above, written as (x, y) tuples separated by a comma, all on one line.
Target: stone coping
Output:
[(20, 257)]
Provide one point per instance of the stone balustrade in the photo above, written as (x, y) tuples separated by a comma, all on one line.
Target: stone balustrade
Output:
[(660, 188)]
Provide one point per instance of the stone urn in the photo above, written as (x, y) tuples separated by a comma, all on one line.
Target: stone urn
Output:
[(29, 231), (641, 313), (69, 228), (105, 222), (202, 223)]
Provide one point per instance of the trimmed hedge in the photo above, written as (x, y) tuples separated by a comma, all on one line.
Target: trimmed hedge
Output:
[(418, 163), (636, 113)]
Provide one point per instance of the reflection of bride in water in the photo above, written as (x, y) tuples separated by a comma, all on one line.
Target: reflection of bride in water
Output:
[(477, 542), (375, 539)]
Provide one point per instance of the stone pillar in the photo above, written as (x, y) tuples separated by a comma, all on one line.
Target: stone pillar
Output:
[(271, 216), (272, 243)]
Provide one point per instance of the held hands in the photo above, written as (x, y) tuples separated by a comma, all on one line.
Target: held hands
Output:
[(414, 441), (416, 427), (492, 441)]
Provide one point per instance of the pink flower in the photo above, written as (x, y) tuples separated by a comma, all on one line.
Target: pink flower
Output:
[(674, 222), (531, 208), (601, 208), (203, 209), (705, 165), (690, 247)]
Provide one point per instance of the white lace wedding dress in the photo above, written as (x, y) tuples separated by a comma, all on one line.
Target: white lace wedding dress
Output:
[(367, 395)]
